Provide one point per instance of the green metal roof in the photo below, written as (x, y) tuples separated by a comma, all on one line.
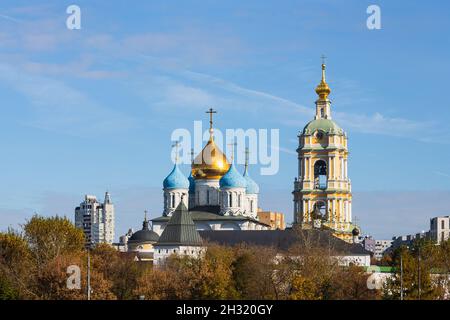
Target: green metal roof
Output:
[(180, 229), (326, 125), (210, 213)]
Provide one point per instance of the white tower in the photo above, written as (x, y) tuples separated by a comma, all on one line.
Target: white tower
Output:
[(232, 192), (251, 190), (108, 218), (175, 187), (96, 219)]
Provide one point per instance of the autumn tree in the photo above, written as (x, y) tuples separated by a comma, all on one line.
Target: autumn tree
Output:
[(253, 272), (49, 237), (15, 266), (412, 270)]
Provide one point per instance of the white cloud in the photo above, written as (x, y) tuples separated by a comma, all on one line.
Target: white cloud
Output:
[(58, 107)]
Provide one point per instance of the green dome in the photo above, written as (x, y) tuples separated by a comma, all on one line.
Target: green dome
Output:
[(326, 125)]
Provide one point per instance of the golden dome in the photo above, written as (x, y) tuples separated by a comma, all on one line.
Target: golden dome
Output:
[(323, 90), (211, 163)]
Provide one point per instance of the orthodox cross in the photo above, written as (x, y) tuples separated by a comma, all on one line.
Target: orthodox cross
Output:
[(232, 145), (176, 145), (145, 215), (247, 153), (211, 111)]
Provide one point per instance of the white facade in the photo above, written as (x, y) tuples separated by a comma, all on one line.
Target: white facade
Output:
[(357, 260), (172, 198), (206, 192), (251, 205), (380, 248), (440, 229), (233, 201), (162, 252), (96, 219)]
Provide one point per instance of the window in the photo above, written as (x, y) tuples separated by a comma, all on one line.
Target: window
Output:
[(173, 201), (320, 175), (320, 210), (207, 196), (322, 113), (239, 200), (230, 200), (442, 224), (251, 205)]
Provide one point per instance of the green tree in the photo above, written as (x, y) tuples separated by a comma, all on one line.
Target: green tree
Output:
[(50, 237), (15, 266), (417, 264)]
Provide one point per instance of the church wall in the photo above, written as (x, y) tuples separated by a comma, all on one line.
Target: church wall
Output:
[(162, 252), (237, 205), (172, 198), (206, 192)]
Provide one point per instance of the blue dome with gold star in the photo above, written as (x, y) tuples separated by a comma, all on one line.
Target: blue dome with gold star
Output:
[(176, 179), (232, 179), (252, 187)]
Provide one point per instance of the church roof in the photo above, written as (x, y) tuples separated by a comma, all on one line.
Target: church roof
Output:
[(176, 179), (283, 239), (144, 235), (326, 125), (210, 163), (233, 179), (210, 213), (180, 229)]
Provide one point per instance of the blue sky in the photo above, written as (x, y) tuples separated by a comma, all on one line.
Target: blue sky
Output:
[(88, 110)]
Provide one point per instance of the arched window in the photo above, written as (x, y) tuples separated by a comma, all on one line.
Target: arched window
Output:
[(207, 196), (239, 200), (230, 200), (320, 210), (173, 200), (251, 205), (320, 174)]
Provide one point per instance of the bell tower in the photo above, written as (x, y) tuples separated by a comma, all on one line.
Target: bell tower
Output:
[(322, 189)]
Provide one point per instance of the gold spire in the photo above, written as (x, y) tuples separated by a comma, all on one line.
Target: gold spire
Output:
[(210, 163), (323, 90)]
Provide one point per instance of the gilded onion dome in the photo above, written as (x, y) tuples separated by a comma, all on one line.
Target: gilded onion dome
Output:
[(210, 163), (322, 89)]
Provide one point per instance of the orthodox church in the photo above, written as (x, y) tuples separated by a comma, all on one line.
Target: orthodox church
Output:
[(217, 204), (217, 196), (322, 190)]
